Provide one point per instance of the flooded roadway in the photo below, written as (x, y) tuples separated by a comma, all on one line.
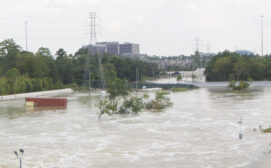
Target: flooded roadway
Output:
[(200, 130)]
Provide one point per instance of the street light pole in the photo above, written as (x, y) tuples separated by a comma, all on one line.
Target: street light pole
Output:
[(19, 157)]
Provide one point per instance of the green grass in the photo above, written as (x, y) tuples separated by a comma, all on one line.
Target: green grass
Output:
[(267, 130), (179, 89)]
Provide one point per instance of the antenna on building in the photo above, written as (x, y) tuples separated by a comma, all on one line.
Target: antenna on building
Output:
[(26, 36)]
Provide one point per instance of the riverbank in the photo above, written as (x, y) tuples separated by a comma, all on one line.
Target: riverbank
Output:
[(35, 94)]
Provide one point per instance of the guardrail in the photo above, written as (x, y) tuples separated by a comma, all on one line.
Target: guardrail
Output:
[(34, 94)]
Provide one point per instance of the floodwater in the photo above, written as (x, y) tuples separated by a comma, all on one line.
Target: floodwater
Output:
[(200, 130)]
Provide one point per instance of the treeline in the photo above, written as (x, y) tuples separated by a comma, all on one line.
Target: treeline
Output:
[(228, 66), (22, 71)]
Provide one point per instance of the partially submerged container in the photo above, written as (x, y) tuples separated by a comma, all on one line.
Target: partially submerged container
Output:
[(31, 102)]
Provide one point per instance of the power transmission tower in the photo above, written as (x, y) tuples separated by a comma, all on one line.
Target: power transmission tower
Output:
[(197, 53), (92, 26), (93, 21)]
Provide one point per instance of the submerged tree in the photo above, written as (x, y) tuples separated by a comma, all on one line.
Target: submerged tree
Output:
[(160, 101), (241, 86)]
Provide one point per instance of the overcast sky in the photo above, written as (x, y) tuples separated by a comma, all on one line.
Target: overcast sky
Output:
[(161, 27)]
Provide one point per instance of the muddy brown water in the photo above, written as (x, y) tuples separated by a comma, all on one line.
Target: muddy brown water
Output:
[(200, 130)]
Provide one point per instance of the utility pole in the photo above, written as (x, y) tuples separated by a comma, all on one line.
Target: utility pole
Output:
[(26, 36), (262, 16)]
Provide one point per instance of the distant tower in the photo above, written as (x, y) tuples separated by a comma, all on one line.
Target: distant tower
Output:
[(197, 53), (92, 25)]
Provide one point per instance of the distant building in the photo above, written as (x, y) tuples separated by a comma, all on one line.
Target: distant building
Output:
[(112, 47), (207, 54), (98, 49), (128, 49), (244, 52)]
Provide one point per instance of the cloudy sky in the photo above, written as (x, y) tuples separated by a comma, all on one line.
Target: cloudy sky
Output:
[(161, 27)]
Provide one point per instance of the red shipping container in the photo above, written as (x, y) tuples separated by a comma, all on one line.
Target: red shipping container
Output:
[(47, 101)]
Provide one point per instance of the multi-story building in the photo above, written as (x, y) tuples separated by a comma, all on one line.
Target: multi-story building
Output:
[(112, 47), (98, 49), (129, 48)]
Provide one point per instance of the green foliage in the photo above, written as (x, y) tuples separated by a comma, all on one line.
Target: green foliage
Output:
[(179, 89), (134, 105), (45, 52), (229, 66), (232, 84), (22, 84), (74, 86), (128, 106), (179, 77), (12, 74), (194, 76), (242, 85), (65, 69), (160, 101), (249, 79), (108, 107), (267, 130), (117, 87), (61, 53), (126, 68)]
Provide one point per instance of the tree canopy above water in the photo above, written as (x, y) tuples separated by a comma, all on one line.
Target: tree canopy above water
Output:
[(229, 66), (34, 69)]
